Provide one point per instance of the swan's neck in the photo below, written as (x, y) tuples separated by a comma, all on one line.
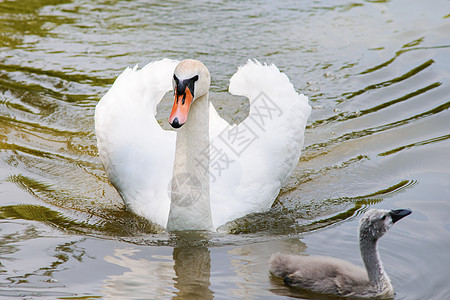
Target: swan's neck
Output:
[(378, 277), (190, 206)]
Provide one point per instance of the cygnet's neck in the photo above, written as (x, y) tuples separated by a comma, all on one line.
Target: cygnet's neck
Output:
[(190, 203), (378, 278)]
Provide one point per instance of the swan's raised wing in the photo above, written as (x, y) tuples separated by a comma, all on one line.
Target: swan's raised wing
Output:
[(251, 161), (135, 151)]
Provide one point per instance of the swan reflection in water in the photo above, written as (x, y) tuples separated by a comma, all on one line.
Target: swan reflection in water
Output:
[(192, 269), (185, 275)]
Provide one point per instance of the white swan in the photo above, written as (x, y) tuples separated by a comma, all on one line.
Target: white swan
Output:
[(217, 177), (327, 275)]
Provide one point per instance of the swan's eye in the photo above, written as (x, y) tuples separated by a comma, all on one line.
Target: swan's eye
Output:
[(383, 217)]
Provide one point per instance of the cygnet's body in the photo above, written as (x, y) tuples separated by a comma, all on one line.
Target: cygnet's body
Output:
[(331, 276)]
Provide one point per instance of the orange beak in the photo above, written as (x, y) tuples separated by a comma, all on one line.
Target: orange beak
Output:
[(180, 108)]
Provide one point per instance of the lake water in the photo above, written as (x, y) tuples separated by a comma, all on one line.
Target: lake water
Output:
[(378, 77)]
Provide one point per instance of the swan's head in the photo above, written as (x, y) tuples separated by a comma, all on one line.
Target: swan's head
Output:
[(376, 222), (191, 80)]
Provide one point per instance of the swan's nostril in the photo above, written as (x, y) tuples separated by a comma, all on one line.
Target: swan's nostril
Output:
[(175, 123)]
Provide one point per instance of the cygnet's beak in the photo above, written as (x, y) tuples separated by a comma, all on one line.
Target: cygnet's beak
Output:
[(180, 109), (398, 214)]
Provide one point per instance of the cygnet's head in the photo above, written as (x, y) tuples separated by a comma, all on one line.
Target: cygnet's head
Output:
[(191, 80), (376, 222)]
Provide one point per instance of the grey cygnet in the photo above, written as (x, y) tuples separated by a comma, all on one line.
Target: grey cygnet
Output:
[(331, 276)]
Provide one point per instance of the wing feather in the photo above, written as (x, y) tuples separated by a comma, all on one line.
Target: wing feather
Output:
[(258, 155), (136, 152)]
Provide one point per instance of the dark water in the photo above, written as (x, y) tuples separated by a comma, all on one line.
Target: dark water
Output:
[(377, 74)]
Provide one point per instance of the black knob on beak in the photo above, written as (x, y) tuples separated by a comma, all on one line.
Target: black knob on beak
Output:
[(175, 123)]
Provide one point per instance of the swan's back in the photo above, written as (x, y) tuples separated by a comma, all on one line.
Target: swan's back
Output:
[(324, 275)]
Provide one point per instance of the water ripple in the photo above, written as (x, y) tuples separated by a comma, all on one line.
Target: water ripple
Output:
[(390, 82)]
